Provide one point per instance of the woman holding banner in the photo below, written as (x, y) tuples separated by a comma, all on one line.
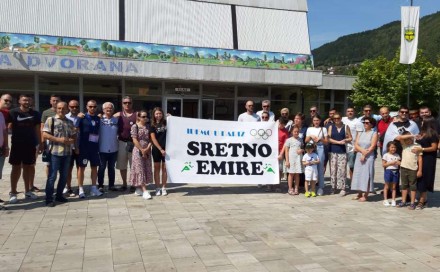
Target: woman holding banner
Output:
[(158, 136)]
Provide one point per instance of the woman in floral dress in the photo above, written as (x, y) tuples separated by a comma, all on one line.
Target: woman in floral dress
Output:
[(141, 173)]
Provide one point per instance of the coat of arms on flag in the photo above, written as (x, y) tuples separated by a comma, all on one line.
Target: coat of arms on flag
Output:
[(409, 34)]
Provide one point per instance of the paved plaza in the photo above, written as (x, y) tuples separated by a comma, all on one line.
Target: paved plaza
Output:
[(217, 228)]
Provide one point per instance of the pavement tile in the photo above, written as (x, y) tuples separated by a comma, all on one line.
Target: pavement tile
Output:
[(218, 228)]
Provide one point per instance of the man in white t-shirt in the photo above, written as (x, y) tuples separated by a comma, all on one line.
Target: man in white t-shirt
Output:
[(351, 121), (249, 115), (266, 108)]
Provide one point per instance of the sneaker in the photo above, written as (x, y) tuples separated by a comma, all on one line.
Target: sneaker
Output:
[(101, 189), (113, 189), (138, 192), (307, 194), (132, 189), (402, 204), (313, 194), (320, 192), (164, 192), (31, 195), (393, 203), (412, 206), (342, 193), (146, 195), (158, 192), (50, 204), (386, 203), (66, 190), (13, 198), (81, 193), (95, 192)]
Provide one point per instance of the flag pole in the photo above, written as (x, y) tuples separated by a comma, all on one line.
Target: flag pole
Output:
[(409, 77)]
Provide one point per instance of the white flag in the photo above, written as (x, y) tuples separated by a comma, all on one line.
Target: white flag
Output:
[(410, 34)]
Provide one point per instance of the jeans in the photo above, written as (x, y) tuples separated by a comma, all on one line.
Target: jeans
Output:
[(110, 160), (321, 155), (61, 164)]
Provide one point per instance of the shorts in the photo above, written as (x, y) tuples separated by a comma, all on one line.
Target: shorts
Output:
[(311, 174), (351, 158), (23, 154), (84, 158), (408, 179), (74, 159), (124, 157), (391, 175), (157, 155)]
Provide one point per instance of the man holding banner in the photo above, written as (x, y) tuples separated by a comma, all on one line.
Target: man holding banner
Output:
[(249, 115)]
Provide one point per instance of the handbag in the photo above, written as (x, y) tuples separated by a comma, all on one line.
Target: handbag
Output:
[(129, 147)]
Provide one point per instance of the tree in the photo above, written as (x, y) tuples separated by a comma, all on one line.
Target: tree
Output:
[(124, 52), (104, 46), (83, 42), (109, 48), (36, 39), (385, 83)]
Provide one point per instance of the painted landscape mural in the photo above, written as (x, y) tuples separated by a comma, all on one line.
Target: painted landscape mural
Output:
[(65, 46)]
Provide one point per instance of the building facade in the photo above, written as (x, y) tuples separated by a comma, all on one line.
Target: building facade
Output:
[(200, 59)]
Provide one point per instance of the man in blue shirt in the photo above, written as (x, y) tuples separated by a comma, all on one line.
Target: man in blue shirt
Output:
[(88, 128)]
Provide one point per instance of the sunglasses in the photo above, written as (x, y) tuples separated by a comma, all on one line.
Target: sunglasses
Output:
[(74, 107), (7, 100), (266, 106), (404, 112), (312, 110), (367, 123), (126, 103), (92, 107), (264, 118), (367, 110), (143, 116), (338, 118)]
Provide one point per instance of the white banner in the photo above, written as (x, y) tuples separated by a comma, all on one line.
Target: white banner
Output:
[(410, 34), (221, 152)]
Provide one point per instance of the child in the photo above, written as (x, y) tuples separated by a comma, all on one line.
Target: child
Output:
[(391, 162), (310, 161), (293, 154), (410, 169), (283, 134)]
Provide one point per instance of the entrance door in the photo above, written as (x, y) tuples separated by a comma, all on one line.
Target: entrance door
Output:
[(182, 106)]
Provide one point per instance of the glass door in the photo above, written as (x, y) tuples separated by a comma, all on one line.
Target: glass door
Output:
[(182, 106), (208, 109)]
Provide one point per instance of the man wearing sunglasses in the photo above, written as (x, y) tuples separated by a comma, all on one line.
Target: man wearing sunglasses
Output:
[(266, 108), (127, 118), (72, 116), (88, 129), (398, 127)]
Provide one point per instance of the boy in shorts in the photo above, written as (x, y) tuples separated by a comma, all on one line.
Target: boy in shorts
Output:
[(410, 169), (310, 161)]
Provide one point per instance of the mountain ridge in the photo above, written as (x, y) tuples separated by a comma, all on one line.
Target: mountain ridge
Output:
[(383, 41)]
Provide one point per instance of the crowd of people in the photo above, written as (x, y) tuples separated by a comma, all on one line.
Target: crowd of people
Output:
[(67, 138), (308, 145)]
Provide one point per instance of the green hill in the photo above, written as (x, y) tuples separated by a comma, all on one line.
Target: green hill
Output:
[(385, 41)]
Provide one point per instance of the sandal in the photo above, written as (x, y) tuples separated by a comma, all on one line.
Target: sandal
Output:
[(290, 192), (357, 197), (402, 204), (296, 192), (421, 205), (362, 199)]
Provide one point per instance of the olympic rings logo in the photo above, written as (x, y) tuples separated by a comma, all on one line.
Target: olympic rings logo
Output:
[(261, 133)]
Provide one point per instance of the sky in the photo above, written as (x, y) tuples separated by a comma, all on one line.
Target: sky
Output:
[(331, 19)]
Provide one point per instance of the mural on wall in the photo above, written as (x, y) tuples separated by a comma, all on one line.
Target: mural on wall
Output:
[(65, 46)]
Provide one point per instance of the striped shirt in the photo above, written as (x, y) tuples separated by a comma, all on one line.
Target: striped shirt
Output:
[(61, 128)]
